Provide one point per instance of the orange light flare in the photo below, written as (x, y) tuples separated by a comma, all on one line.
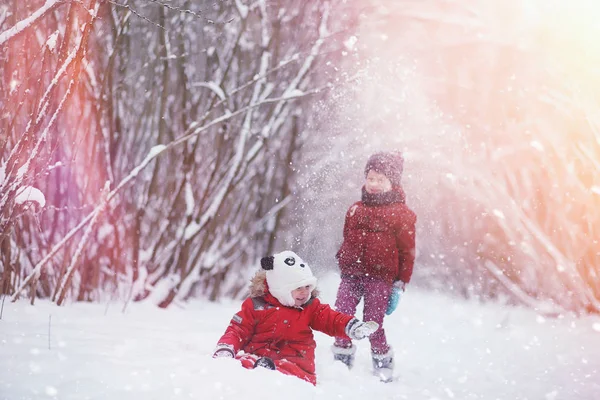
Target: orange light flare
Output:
[(453, 82), (568, 34)]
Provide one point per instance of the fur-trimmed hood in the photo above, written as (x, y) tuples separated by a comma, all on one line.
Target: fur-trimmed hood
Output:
[(259, 287)]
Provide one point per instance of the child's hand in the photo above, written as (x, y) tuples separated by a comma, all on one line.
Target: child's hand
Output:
[(359, 330)]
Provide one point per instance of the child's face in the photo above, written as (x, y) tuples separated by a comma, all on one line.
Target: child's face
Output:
[(301, 295), (377, 183)]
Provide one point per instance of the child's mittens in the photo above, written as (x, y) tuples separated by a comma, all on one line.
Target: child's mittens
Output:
[(359, 330), (223, 350), (223, 353), (395, 296), (393, 301)]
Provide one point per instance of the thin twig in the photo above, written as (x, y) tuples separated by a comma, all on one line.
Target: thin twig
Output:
[(170, 7), (186, 11), (126, 6), (106, 308), (49, 326)]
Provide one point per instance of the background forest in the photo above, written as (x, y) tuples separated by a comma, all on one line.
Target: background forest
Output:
[(154, 150)]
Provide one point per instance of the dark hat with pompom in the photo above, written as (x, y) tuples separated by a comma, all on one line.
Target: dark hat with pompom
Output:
[(390, 164)]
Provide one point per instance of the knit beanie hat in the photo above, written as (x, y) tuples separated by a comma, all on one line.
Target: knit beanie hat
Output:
[(390, 164), (286, 271)]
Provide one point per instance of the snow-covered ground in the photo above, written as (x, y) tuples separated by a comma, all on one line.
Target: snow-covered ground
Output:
[(446, 349)]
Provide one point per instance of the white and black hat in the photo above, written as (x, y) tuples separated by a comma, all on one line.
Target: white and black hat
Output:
[(286, 271)]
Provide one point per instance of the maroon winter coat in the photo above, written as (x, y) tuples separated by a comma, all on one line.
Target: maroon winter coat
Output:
[(265, 328), (379, 240)]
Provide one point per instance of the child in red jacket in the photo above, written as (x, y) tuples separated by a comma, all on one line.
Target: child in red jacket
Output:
[(274, 327), (376, 257)]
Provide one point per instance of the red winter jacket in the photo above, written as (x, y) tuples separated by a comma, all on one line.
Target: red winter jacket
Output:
[(379, 240), (266, 328)]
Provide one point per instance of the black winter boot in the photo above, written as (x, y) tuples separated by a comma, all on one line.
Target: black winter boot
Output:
[(344, 354), (265, 362)]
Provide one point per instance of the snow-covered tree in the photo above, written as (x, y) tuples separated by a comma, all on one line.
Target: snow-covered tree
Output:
[(161, 135), (154, 150)]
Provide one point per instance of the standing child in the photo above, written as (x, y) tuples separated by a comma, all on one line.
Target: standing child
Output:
[(274, 327), (376, 257)]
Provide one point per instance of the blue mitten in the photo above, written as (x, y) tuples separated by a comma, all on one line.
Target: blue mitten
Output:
[(393, 301)]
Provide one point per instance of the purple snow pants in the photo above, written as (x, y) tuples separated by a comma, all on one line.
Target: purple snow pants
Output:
[(376, 296)]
